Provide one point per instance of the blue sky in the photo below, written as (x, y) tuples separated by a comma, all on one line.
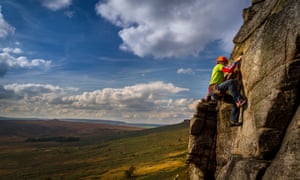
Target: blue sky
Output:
[(130, 60)]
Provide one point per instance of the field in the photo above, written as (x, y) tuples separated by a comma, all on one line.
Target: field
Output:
[(95, 151)]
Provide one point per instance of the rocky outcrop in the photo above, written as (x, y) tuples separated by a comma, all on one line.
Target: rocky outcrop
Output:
[(267, 145), (286, 163), (202, 141)]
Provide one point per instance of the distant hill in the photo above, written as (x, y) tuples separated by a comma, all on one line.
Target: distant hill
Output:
[(93, 121), (31, 128), (112, 122)]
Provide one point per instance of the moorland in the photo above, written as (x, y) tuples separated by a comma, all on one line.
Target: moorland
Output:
[(54, 149)]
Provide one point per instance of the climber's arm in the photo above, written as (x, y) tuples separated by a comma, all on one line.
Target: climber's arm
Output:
[(229, 69)]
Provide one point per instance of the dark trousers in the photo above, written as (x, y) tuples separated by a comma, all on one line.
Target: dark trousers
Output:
[(234, 96)]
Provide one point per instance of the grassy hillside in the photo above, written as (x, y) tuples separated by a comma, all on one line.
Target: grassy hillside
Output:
[(157, 153)]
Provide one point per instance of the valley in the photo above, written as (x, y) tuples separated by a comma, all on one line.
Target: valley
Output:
[(101, 151)]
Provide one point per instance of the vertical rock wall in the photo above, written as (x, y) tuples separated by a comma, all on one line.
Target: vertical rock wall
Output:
[(202, 141), (267, 145)]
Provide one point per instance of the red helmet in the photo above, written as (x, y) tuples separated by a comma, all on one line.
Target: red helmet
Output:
[(222, 59)]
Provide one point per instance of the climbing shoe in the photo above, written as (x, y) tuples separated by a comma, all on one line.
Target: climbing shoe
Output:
[(232, 123), (240, 102)]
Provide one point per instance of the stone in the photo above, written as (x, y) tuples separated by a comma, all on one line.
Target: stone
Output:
[(202, 141), (286, 163), (242, 168), (266, 146)]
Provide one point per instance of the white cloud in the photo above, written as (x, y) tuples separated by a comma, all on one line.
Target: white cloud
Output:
[(32, 90), (137, 97), (5, 28), (8, 60), (173, 28), (185, 71), (150, 102), (56, 4), (12, 50)]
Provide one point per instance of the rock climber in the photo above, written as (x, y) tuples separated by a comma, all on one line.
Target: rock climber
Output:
[(218, 87)]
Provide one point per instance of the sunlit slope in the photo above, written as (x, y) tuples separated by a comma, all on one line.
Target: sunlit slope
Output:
[(153, 153)]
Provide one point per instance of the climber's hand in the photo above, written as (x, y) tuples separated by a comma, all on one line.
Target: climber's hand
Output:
[(238, 59)]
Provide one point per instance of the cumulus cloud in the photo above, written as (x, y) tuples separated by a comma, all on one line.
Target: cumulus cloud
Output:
[(172, 28), (185, 71), (149, 102), (9, 59), (140, 97), (5, 28), (12, 50), (55, 5), (32, 90)]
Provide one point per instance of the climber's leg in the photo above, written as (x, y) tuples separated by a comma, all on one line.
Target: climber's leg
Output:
[(230, 85), (235, 111)]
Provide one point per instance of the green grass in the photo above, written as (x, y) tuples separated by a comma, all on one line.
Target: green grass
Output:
[(157, 153)]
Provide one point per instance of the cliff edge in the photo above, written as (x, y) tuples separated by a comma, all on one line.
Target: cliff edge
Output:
[(267, 145)]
